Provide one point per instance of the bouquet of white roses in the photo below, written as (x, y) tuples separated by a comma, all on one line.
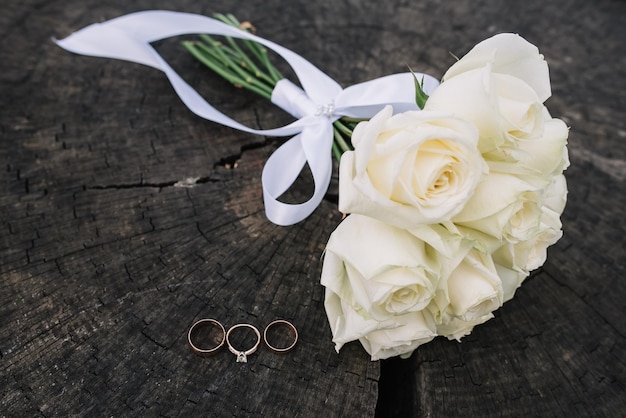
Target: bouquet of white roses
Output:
[(452, 200), (451, 207)]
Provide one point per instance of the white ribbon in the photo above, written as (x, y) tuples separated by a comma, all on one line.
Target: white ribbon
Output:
[(319, 102)]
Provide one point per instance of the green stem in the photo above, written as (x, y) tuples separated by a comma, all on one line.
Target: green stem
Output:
[(336, 151), (236, 58), (259, 51), (250, 79), (343, 145), (241, 58), (212, 47), (343, 128), (247, 62), (352, 120), (205, 56), (273, 71), (229, 19), (231, 61)]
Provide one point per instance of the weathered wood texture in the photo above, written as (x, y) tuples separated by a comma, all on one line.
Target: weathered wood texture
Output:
[(106, 258)]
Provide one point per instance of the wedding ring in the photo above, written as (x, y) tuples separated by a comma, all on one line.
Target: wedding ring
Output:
[(202, 323), (242, 356), (289, 326)]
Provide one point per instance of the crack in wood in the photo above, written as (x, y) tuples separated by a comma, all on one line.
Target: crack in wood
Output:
[(232, 161), (187, 182)]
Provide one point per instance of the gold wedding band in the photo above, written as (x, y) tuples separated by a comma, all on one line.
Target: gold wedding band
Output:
[(242, 356), (202, 351), (287, 325)]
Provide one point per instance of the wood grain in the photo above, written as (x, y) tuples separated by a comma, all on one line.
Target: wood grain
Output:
[(125, 218)]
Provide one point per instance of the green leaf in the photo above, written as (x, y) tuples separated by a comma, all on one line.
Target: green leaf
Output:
[(420, 95)]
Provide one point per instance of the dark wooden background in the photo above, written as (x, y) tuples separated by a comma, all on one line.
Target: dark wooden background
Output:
[(125, 218)]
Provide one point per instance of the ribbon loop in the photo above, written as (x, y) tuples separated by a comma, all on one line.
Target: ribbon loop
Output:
[(319, 102)]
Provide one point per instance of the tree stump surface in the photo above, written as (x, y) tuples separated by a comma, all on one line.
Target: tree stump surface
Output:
[(126, 218)]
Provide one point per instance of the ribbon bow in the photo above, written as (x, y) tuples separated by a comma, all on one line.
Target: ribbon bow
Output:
[(316, 105)]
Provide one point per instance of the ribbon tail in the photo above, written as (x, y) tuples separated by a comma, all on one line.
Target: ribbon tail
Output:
[(312, 146), (365, 99), (111, 39)]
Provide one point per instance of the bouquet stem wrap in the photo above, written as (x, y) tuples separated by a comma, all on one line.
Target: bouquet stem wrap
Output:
[(319, 102)]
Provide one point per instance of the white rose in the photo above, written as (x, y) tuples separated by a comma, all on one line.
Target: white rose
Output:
[(397, 336), (503, 206), (474, 287), (507, 53), (510, 276), (411, 168), (469, 289), (504, 108), (468, 294), (538, 158), (458, 328), (545, 155), (500, 86), (555, 194), (514, 261), (549, 233), (379, 270)]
